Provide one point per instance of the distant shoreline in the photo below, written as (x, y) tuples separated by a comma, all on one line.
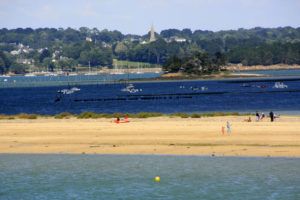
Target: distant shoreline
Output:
[(235, 68)]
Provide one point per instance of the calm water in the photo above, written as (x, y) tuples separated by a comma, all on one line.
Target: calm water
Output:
[(38, 81), (248, 95), (282, 72), (30, 177)]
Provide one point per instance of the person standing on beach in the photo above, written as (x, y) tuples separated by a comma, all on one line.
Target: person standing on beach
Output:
[(257, 116), (228, 125), (223, 130), (271, 114), (262, 116)]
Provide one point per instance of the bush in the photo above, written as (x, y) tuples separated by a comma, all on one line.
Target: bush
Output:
[(146, 115), (195, 115), (6, 117), (27, 116), (87, 115), (63, 115), (182, 115)]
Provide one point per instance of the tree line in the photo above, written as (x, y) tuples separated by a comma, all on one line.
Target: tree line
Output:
[(65, 49)]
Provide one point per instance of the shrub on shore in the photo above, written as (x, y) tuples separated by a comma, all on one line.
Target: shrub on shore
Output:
[(63, 115), (87, 115), (145, 115), (92, 115), (3, 117), (27, 116), (182, 115), (196, 115)]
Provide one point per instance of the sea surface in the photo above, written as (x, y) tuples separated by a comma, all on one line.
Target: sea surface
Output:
[(231, 95), (39, 81), (63, 177)]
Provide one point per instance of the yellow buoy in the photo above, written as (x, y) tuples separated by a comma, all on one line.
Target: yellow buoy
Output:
[(157, 179)]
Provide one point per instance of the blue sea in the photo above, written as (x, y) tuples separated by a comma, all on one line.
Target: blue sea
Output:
[(231, 95), (63, 177), (60, 177)]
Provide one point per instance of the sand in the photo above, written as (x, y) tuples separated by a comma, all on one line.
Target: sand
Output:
[(161, 135)]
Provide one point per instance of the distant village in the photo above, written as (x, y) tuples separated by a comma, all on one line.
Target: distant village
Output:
[(26, 50)]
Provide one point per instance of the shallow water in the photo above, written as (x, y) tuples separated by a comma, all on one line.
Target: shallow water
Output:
[(131, 177)]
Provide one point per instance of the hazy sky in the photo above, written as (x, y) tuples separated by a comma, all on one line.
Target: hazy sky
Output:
[(136, 16)]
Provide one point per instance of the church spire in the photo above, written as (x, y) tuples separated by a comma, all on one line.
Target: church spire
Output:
[(152, 34)]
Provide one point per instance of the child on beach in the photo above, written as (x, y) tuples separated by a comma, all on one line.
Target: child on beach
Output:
[(223, 130)]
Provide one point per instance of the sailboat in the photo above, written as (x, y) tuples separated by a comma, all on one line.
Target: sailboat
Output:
[(139, 69), (129, 86), (30, 74), (117, 70), (90, 72)]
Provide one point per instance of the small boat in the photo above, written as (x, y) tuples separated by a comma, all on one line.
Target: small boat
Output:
[(72, 74), (66, 91), (69, 91), (75, 89), (4, 76), (131, 89), (280, 85), (91, 74), (262, 86), (246, 85), (51, 74), (30, 75), (203, 88)]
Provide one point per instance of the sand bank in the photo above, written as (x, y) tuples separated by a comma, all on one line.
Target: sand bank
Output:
[(161, 135), (261, 67)]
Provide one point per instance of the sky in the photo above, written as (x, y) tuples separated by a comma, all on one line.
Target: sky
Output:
[(136, 16)]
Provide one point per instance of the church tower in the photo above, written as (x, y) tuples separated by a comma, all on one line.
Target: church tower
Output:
[(152, 34)]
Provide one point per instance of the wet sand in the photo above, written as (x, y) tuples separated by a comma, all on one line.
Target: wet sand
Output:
[(161, 135)]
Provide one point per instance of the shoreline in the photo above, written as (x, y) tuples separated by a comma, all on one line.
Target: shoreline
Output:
[(153, 136), (159, 155), (261, 67)]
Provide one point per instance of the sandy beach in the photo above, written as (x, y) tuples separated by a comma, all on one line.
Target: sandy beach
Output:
[(163, 135)]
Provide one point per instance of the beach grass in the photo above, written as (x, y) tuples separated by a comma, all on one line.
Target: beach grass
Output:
[(140, 115)]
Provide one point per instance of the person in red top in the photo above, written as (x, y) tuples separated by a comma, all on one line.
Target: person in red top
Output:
[(117, 120)]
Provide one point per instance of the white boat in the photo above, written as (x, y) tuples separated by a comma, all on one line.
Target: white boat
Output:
[(116, 73), (73, 74), (69, 91), (66, 91), (91, 73), (75, 89), (4, 76), (30, 75), (203, 88), (131, 89), (280, 85)]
